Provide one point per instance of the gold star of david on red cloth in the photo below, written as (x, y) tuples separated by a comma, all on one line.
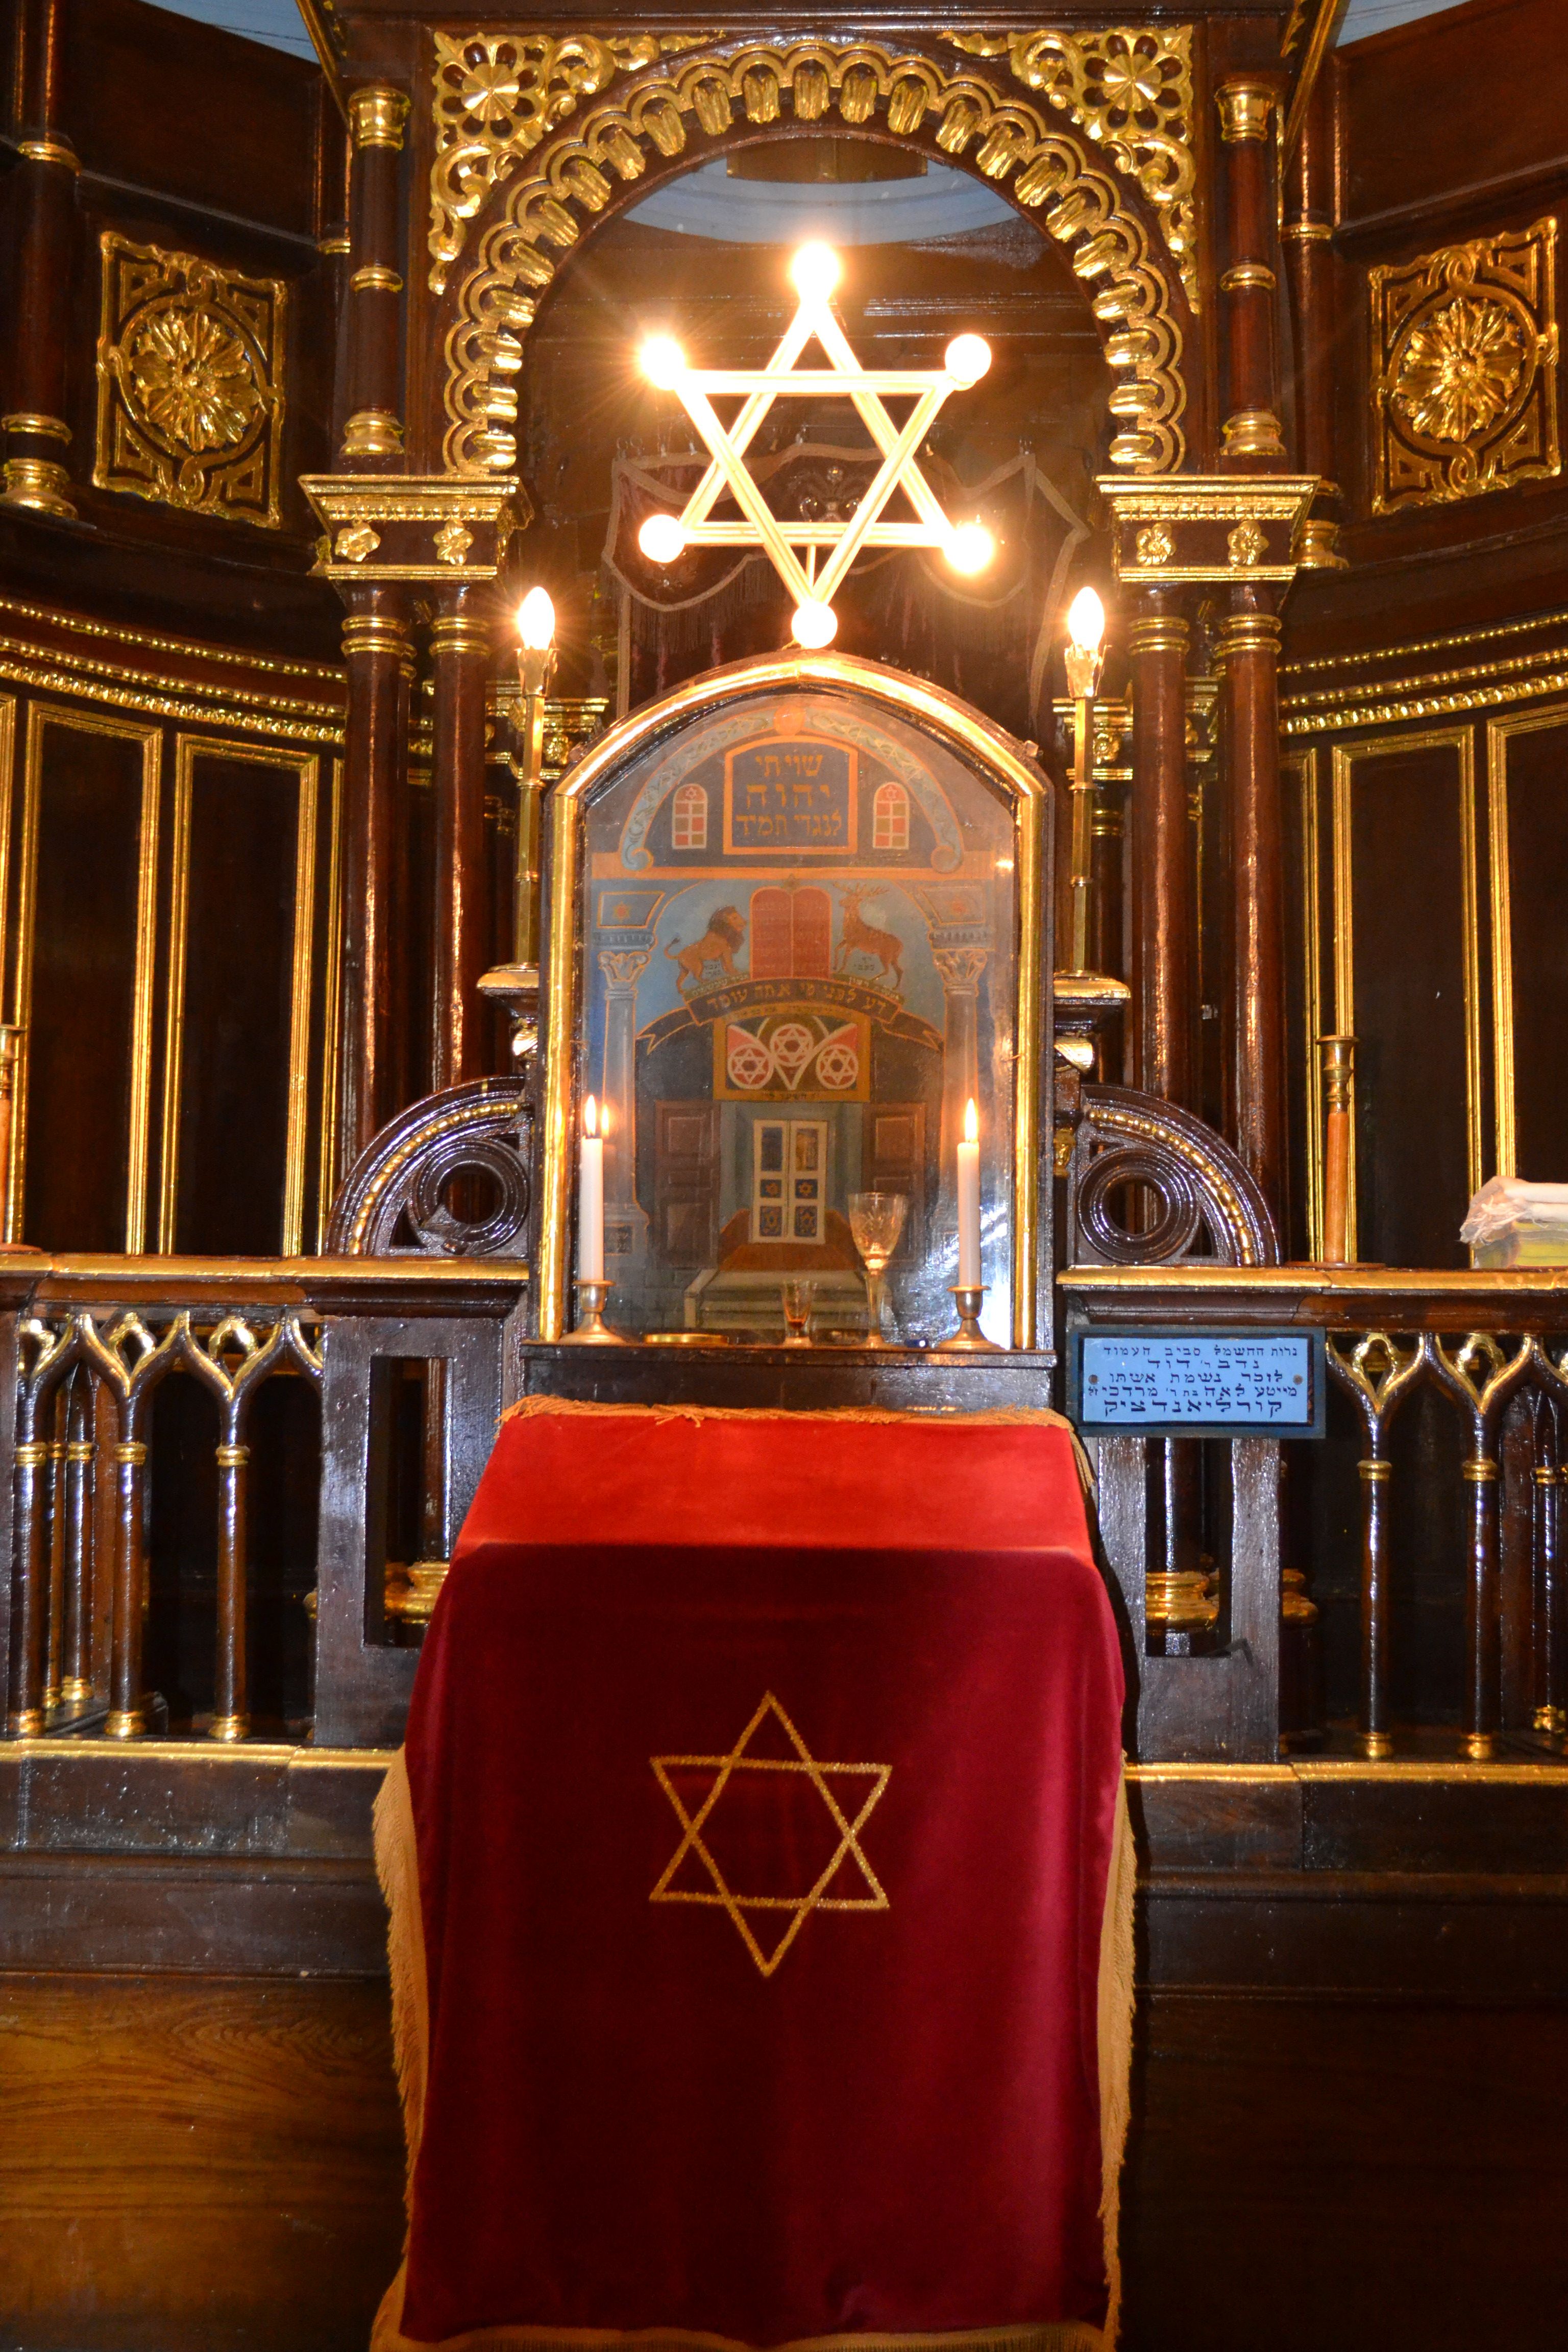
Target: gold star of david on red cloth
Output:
[(698, 1826)]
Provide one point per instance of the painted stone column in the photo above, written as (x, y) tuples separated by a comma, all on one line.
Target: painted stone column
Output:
[(622, 968)]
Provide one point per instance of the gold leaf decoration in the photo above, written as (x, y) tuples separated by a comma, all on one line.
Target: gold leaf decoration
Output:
[(190, 383), (498, 95), (1463, 370), (1130, 88)]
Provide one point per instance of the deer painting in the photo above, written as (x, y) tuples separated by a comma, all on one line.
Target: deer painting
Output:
[(885, 948)]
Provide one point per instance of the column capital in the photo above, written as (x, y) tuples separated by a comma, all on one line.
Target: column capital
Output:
[(438, 528), (1245, 104), (377, 113), (1171, 530)]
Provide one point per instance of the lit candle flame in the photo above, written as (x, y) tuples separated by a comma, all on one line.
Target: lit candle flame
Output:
[(971, 1123), (536, 620), (590, 1116)]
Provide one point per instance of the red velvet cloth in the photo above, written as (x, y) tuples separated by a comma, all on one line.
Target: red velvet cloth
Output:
[(635, 2117)]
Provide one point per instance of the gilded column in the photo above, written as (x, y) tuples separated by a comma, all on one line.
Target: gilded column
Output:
[(460, 658), (1249, 651), (1306, 235), (1164, 859), (37, 435), (1252, 437), (373, 429), (378, 652)]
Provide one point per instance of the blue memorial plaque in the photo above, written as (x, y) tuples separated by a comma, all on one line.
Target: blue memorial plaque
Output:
[(1198, 1383)]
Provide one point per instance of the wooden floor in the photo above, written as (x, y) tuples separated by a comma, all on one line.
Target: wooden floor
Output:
[(218, 2166)]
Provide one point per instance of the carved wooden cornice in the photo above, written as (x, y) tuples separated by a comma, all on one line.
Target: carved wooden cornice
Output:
[(1207, 527), (411, 527)]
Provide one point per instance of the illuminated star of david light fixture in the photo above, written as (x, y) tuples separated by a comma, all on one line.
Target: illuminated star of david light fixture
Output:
[(664, 538)]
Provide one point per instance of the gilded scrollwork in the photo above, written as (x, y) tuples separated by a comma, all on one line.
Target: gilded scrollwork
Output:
[(1130, 88), (190, 383), (1463, 370), (572, 177), (499, 95)]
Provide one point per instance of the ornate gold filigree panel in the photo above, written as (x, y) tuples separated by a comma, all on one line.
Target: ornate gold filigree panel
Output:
[(190, 383), (1463, 370), (572, 177), (498, 95), (1129, 88)]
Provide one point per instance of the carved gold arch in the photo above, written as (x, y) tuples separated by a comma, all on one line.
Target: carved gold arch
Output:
[(572, 177)]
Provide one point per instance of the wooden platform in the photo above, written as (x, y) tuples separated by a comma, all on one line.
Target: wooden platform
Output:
[(1337, 2141)]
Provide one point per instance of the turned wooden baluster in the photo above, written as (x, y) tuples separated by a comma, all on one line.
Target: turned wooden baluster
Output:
[(1551, 1475), (234, 1388), (76, 1673), (132, 1363), (41, 1372), (1379, 1374), (1480, 1380)]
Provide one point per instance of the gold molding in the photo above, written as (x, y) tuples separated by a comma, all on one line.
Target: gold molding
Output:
[(40, 484), (1304, 765), (1499, 734), (191, 398), (1463, 370), (1487, 636), (326, 1179), (1181, 527), (498, 95), (40, 716), (435, 526), (1460, 740), (128, 689), (377, 113), (569, 177), (375, 278), (306, 769), (1342, 719), (373, 433), (49, 428), (930, 707), (50, 150), (1244, 108), (1130, 88), (122, 634)]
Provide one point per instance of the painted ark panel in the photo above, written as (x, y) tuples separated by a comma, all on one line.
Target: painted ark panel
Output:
[(800, 968)]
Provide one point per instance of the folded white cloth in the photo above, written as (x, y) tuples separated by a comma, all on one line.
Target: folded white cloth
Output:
[(1506, 1204)]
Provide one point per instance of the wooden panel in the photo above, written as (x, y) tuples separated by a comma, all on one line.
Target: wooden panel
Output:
[(1432, 109), (686, 1184), (239, 1001), (1526, 763), (1408, 987), (196, 2166), (83, 985), (1305, 2176)]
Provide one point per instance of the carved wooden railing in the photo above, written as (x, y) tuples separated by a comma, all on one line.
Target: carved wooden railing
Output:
[(85, 1348), (1493, 1348)]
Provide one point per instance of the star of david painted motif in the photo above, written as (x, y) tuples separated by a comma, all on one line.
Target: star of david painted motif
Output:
[(968, 547), (695, 1856)]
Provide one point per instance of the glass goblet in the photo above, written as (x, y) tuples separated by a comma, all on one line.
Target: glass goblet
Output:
[(875, 1220), (795, 1298)]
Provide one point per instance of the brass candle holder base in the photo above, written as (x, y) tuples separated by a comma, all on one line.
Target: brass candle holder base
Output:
[(969, 1339), (592, 1330)]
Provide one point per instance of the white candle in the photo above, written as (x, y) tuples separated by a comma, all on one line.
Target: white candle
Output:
[(591, 1198), (969, 1202)]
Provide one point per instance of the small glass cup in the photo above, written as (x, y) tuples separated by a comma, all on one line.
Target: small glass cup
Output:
[(875, 1220), (797, 1300)]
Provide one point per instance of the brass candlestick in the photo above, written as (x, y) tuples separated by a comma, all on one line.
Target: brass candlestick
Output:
[(969, 1339), (592, 1330)]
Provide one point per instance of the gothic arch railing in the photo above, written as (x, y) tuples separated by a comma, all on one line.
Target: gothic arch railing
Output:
[(1204, 1203), (730, 91), (394, 1200)]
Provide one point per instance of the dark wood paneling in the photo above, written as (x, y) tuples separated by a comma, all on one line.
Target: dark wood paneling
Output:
[(1537, 773), (239, 952), (83, 986), (1408, 848), (197, 2167), (1306, 2176)]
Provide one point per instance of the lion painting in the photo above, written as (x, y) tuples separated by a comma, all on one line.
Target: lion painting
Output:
[(726, 929)]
